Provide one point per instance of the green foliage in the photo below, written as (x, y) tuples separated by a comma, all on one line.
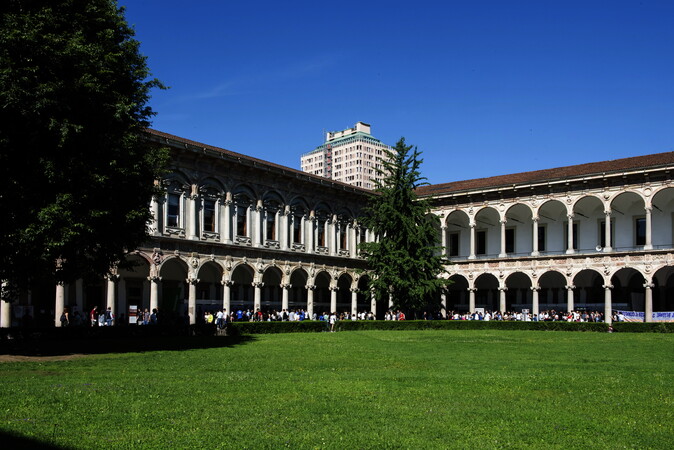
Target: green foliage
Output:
[(405, 261), (76, 174)]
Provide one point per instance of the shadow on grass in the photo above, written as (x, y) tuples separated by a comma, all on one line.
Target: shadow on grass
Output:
[(15, 441), (98, 340)]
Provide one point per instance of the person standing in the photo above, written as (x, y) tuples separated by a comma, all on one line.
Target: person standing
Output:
[(109, 316)]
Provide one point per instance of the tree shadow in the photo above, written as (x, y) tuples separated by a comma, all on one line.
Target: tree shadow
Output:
[(15, 441), (130, 339)]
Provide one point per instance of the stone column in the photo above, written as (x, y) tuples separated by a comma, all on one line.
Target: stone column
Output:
[(258, 295), (443, 236), (569, 241), (502, 298), (569, 297), (226, 221), (331, 228), (471, 299), (649, 230), (227, 295), (154, 292), (284, 229), (257, 226), (534, 299), (608, 307), (311, 223), (79, 295), (373, 302), (153, 226), (354, 300), (648, 307), (443, 304), (60, 303), (192, 299), (284, 300), (472, 241), (607, 231), (310, 300), (503, 253), (535, 237), (193, 202), (333, 298), (112, 293), (5, 308)]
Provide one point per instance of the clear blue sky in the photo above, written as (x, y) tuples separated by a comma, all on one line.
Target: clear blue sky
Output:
[(482, 88)]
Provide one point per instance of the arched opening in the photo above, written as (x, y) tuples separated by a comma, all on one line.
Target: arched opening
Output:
[(552, 295), (134, 287), (458, 235), (209, 289), (457, 295), (297, 297), (662, 224), (628, 292), (628, 221), (487, 233), (587, 225), (518, 296), (552, 220), (487, 294), (589, 295), (663, 290), (173, 287), (344, 293), (242, 293), (322, 293), (518, 230), (364, 297), (272, 294)]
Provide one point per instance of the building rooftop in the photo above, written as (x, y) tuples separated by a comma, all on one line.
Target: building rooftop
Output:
[(614, 166)]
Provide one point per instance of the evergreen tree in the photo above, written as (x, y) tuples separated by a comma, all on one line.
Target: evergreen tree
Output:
[(405, 261), (76, 174)]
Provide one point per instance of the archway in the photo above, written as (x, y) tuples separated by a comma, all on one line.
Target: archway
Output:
[(322, 293), (457, 295), (457, 235), (364, 297), (487, 294), (297, 297), (663, 292), (552, 296), (209, 289), (552, 218), (589, 294), (487, 232), (628, 290), (272, 294), (344, 293), (518, 296), (242, 294), (173, 287)]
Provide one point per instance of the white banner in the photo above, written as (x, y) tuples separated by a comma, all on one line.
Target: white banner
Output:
[(638, 316)]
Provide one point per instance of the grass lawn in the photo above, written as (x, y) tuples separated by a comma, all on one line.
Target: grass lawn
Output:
[(360, 389)]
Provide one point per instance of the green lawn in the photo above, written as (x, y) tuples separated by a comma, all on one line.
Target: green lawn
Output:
[(360, 389)]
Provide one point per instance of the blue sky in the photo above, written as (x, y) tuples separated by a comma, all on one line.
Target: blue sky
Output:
[(482, 88)]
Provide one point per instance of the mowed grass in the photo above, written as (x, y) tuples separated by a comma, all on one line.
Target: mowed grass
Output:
[(369, 389)]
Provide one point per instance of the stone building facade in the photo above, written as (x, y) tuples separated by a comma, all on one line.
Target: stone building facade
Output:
[(595, 236), (229, 232)]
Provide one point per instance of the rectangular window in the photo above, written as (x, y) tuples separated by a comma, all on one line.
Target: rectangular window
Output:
[(173, 216), (241, 220), (271, 225), (209, 215), (541, 238), (297, 229), (481, 242), (510, 240), (640, 231), (320, 232), (453, 244)]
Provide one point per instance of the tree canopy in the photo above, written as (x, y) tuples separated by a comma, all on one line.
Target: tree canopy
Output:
[(76, 174), (405, 260)]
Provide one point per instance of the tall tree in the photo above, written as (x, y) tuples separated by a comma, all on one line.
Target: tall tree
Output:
[(405, 260), (76, 175)]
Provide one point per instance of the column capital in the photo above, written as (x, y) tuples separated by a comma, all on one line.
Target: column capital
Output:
[(649, 285), (227, 282), (334, 288), (648, 209), (535, 218), (607, 286), (286, 285), (472, 289), (154, 279), (535, 288), (114, 277), (503, 288), (570, 287), (503, 221), (310, 287), (258, 284), (607, 211), (192, 280)]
